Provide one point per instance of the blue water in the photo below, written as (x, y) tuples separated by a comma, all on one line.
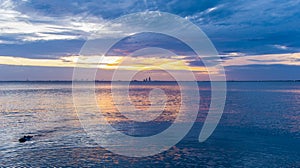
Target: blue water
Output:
[(260, 126)]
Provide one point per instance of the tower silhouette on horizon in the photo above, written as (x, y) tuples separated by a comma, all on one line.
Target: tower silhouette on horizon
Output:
[(147, 79)]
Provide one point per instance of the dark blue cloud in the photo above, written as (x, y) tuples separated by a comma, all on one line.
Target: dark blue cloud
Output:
[(248, 26), (139, 41), (263, 72), (114, 8), (42, 49), (197, 63), (253, 26)]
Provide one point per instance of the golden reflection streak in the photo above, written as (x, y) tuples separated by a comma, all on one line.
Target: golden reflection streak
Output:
[(140, 100)]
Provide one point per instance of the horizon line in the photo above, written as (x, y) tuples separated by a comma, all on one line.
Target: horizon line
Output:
[(297, 80)]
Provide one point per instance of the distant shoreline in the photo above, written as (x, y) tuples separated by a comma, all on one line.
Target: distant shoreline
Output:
[(98, 81)]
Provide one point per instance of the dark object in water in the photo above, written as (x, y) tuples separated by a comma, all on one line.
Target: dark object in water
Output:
[(25, 138)]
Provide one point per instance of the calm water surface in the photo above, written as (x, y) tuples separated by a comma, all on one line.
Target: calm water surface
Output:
[(260, 126)]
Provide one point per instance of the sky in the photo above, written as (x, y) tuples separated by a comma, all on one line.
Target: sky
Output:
[(255, 39)]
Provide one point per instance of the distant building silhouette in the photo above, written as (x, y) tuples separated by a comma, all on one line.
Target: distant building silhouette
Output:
[(147, 79)]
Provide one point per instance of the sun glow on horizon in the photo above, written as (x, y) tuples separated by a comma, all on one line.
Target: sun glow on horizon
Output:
[(179, 63), (103, 62)]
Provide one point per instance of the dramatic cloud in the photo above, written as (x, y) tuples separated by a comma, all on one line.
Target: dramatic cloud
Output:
[(107, 62), (247, 33), (19, 26)]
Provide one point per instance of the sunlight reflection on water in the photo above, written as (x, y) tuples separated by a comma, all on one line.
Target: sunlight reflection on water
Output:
[(260, 126)]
